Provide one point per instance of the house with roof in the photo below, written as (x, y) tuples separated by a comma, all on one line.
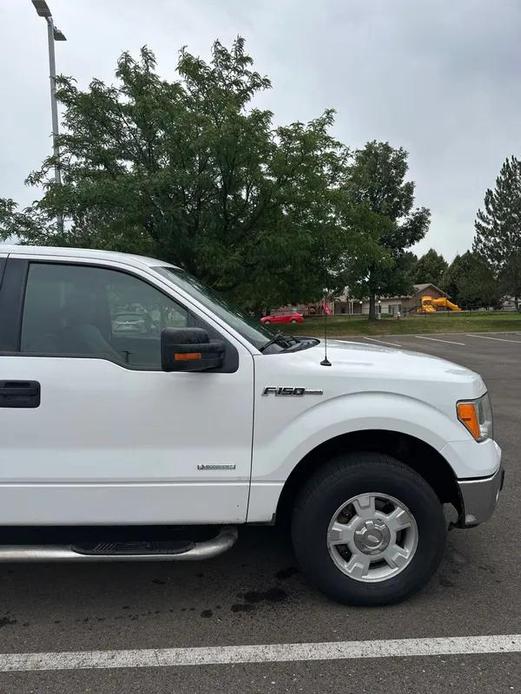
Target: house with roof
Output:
[(390, 305)]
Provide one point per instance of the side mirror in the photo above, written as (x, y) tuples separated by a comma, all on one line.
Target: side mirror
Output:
[(190, 349)]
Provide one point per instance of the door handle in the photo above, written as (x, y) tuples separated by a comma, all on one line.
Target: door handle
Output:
[(19, 394)]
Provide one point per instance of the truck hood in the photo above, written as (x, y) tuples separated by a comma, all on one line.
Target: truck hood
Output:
[(398, 362), (359, 367)]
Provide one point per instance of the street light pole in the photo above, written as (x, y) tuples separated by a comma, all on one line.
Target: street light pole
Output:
[(53, 34), (54, 105)]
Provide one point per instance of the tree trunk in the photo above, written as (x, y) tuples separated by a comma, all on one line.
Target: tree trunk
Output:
[(372, 307), (516, 302)]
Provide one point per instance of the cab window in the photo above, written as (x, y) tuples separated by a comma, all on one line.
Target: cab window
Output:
[(89, 311)]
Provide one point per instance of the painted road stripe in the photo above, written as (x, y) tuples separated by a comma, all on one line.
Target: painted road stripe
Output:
[(497, 339), (382, 342), (273, 653), (437, 339)]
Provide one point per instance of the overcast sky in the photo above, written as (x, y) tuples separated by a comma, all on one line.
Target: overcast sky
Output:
[(442, 78)]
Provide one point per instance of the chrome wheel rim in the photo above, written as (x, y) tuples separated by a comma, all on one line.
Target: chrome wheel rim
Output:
[(372, 537)]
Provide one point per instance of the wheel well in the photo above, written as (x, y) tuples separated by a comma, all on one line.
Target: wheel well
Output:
[(415, 453)]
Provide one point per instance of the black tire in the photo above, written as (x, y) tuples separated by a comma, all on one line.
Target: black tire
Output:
[(333, 485)]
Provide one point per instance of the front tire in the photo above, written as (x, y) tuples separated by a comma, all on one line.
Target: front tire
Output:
[(368, 530)]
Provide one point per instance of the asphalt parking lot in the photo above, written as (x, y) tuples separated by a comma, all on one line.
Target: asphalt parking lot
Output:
[(255, 595)]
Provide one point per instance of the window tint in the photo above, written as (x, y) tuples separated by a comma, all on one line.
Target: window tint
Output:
[(89, 311)]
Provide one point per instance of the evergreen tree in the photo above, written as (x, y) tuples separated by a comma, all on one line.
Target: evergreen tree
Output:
[(498, 228), (510, 277)]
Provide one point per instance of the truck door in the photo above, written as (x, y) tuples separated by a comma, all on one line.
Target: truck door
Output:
[(92, 430)]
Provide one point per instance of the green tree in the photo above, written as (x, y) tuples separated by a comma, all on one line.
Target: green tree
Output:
[(470, 282), (498, 227), (189, 171), (378, 206), (510, 277), (430, 268)]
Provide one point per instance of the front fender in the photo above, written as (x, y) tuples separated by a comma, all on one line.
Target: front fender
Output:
[(279, 444), (276, 451)]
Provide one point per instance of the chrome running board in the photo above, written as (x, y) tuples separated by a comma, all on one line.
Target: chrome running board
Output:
[(191, 551)]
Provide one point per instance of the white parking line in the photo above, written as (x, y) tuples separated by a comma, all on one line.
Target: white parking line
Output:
[(272, 653), (437, 339), (497, 339), (382, 342)]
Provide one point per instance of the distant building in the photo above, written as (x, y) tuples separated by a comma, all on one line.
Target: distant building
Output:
[(390, 305), (508, 303), (387, 305)]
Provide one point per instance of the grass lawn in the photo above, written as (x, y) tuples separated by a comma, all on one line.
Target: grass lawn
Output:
[(339, 326)]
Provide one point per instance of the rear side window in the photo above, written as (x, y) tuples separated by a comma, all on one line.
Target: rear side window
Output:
[(89, 311)]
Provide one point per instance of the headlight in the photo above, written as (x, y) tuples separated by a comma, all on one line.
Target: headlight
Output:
[(476, 416)]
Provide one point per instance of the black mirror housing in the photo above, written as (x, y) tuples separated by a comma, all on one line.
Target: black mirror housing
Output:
[(190, 349)]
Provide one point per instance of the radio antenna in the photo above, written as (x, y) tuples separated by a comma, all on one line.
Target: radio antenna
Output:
[(326, 311)]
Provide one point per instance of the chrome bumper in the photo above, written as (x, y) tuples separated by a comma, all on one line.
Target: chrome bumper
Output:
[(480, 497)]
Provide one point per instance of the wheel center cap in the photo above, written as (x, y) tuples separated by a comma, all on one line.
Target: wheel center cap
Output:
[(372, 536)]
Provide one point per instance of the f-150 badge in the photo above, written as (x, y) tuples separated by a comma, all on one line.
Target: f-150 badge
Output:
[(273, 390)]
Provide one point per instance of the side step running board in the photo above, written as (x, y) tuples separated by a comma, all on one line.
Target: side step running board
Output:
[(121, 551)]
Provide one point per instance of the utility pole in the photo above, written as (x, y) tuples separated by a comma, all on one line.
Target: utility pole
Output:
[(53, 34)]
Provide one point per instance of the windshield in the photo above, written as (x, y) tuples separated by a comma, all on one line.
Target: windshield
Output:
[(244, 324)]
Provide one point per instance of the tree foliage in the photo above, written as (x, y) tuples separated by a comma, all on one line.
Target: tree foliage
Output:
[(379, 206), (190, 172), (498, 227), (430, 268), (470, 282), (510, 277)]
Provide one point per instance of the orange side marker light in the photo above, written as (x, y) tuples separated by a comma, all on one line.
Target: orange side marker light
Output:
[(468, 416)]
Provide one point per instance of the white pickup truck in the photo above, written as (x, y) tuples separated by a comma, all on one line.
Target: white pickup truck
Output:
[(143, 418)]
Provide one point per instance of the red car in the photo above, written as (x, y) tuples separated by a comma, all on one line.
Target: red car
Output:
[(282, 318)]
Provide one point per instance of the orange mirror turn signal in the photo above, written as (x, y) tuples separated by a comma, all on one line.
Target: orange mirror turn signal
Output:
[(187, 356)]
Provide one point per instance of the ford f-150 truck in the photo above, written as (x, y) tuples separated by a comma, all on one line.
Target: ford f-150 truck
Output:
[(158, 441)]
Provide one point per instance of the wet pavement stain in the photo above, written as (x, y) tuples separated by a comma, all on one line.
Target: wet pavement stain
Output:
[(446, 582), (254, 597), (7, 621), (270, 595), (242, 608), (286, 573), (207, 613)]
